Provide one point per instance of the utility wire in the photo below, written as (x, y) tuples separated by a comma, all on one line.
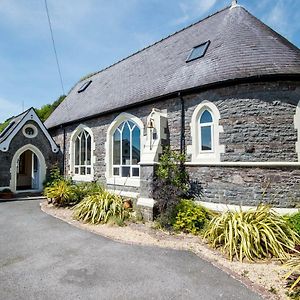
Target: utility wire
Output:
[(54, 49)]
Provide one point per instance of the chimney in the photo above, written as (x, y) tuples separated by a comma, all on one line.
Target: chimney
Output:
[(234, 3)]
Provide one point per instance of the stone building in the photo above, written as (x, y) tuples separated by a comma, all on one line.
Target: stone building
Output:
[(27, 153), (224, 90)]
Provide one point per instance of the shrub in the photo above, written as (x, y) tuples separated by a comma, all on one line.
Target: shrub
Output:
[(169, 185), (253, 234), (84, 189), (191, 217), (294, 221), (54, 177), (100, 208), (61, 193), (293, 275)]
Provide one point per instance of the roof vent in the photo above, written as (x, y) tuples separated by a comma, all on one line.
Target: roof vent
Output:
[(84, 86)]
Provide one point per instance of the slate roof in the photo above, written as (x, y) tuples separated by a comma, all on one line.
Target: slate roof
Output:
[(12, 125), (241, 46)]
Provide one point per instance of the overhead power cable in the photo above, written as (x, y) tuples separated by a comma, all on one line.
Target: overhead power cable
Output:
[(54, 48)]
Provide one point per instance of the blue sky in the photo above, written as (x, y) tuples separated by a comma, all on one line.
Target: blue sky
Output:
[(93, 34)]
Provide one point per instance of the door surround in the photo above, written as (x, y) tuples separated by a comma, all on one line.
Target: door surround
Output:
[(13, 169)]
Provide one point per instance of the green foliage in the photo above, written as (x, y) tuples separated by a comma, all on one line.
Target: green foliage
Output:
[(293, 276), (170, 184), (171, 169), (4, 124), (54, 177), (46, 110), (191, 217), (254, 234), (294, 221), (84, 189), (100, 208), (61, 193)]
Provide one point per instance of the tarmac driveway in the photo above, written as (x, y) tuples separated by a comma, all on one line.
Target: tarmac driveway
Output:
[(44, 258)]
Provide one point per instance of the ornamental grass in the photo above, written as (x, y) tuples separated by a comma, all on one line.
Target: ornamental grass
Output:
[(253, 234)]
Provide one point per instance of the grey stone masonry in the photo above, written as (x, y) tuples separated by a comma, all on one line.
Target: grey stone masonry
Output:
[(258, 126), (249, 185), (19, 140)]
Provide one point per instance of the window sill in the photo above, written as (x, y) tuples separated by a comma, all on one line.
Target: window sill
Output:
[(135, 182), (86, 178)]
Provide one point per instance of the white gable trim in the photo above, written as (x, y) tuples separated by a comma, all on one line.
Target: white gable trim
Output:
[(31, 115)]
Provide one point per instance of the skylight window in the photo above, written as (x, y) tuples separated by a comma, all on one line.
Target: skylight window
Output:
[(84, 86), (198, 51)]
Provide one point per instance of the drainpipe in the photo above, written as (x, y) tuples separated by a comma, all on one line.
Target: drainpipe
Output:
[(182, 131), (64, 151)]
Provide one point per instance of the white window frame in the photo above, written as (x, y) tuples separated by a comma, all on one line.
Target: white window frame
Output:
[(110, 178), (75, 134), (211, 124), (197, 154), (130, 166), (31, 126), (297, 127)]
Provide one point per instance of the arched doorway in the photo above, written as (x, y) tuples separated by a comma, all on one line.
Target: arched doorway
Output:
[(28, 170)]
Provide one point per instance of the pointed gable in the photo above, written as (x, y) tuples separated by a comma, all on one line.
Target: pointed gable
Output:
[(17, 124)]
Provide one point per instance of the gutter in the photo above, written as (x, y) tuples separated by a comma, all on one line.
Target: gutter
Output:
[(215, 85)]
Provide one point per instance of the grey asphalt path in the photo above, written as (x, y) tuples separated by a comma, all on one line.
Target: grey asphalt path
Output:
[(44, 258)]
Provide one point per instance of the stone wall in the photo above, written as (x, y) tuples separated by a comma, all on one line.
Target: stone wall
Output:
[(258, 123), (40, 141), (249, 185)]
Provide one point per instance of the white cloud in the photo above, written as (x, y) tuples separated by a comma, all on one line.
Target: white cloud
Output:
[(192, 9), (282, 18), (8, 109)]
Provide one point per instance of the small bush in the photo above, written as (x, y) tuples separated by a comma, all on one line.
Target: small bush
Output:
[(55, 176), (169, 185), (84, 189), (294, 221), (100, 208), (61, 193), (254, 234), (191, 217)]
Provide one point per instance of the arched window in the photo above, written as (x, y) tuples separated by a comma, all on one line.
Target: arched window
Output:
[(126, 150), (206, 131), (83, 154)]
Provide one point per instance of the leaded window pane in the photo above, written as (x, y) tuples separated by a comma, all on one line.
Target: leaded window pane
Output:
[(206, 138), (126, 145), (83, 151), (89, 150), (125, 171), (136, 146), (126, 149), (116, 147), (206, 117), (83, 154), (135, 172), (77, 150)]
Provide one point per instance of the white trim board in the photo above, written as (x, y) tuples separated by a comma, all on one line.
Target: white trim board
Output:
[(220, 207), (30, 116), (124, 193), (245, 164)]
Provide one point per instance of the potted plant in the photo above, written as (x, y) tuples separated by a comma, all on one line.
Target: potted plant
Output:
[(6, 194), (127, 203)]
